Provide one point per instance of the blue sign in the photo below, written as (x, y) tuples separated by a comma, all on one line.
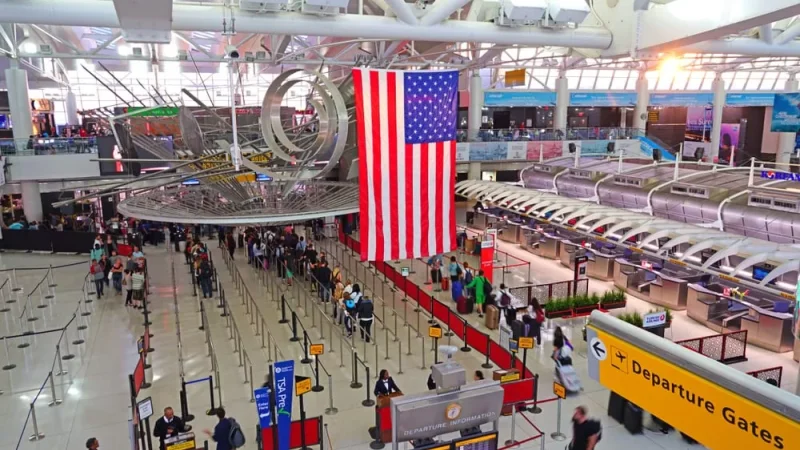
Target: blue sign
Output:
[(262, 177), (682, 99), (284, 396), (786, 176), (786, 113), (263, 407), (750, 99), (513, 97), (602, 99)]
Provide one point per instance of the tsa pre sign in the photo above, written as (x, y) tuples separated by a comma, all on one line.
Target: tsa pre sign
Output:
[(716, 417), (284, 387)]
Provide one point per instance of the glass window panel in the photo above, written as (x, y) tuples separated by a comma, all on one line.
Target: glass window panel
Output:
[(540, 72), (737, 84), (694, 84), (587, 82), (602, 83), (706, 84), (752, 84), (664, 82), (770, 75), (767, 84), (741, 74), (551, 83), (619, 84), (679, 83)]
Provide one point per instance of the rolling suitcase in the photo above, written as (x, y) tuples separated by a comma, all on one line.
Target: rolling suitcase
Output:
[(566, 374), (445, 283), (492, 317), (464, 305)]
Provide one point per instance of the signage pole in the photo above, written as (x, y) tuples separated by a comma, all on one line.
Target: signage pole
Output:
[(302, 425), (435, 353), (149, 437), (273, 405), (558, 435), (524, 361), (513, 441)]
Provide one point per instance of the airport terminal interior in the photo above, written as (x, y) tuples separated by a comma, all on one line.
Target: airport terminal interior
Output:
[(405, 224)]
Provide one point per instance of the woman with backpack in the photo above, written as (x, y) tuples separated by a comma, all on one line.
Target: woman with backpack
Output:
[(481, 286)]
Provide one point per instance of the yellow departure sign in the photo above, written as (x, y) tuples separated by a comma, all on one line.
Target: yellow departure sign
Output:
[(716, 417)]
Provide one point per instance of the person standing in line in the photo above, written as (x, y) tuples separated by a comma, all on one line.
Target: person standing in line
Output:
[(127, 283), (116, 275), (97, 252), (454, 269), (96, 269), (365, 309), (585, 432), (204, 275), (480, 285), (106, 263), (137, 285)]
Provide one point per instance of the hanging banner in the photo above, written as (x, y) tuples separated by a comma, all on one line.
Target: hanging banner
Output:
[(263, 406), (487, 258), (284, 387), (750, 99), (602, 99), (515, 77), (518, 97), (462, 151), (786, 113), (682, 99)]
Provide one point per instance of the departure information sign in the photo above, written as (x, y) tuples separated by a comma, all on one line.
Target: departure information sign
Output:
[(716, 417)]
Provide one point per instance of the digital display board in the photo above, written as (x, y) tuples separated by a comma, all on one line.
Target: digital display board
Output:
[(486, 441)]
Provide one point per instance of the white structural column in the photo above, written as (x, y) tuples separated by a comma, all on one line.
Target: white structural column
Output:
[(642, 102), (474, 112), (19, 104), (562, 103), (718, 87), (71, 107), (31, 200), (786, 141), (474, 171)]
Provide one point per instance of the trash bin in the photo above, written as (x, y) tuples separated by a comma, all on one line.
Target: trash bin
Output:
[(633, 419)]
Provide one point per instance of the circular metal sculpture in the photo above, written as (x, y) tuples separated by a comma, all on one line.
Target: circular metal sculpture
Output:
[(306, 200)]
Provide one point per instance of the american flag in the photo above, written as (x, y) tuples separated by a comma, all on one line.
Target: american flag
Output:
[(407, 156)]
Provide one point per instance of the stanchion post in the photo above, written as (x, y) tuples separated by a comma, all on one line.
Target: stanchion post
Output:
[(513, 441), (558, 435), (283, 310), (36, 434), (354, 384), (369, 401), (465, 348), (330, 410), (213, 410), (9, 365), (306, 359), (54, 400), (377, 444), (318, 387), (294, 337), (487, 364), (535, 409)]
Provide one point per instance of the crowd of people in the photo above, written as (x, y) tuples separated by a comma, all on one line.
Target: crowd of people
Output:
[(118, 266)]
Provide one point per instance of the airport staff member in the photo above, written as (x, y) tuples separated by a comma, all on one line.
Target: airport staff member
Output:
[(385, 384), (168, 426)]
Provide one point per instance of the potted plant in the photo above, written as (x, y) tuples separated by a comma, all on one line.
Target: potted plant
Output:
[(585, 304), (558, 307), (612, 299)]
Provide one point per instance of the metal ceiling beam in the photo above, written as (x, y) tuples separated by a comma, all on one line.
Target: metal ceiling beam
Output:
[(789, 34), (195, 17), (706, 20), (747, 46)]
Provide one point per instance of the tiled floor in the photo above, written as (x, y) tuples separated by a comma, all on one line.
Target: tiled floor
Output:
[(96, 401)]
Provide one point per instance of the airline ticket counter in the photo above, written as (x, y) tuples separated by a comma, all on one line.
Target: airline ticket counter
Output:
[(766, 317), (601, 256), (655, 281), (487, 218), (543, 242)]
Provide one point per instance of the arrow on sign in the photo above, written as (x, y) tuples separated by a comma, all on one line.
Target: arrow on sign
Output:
[(598, 349)]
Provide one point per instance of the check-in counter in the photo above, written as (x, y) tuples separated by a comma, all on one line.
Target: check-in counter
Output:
[(528, 239), (512, 232), (547, 245), (767, 318), (665, 286), (797, 350), (601, 263), (481, 220)]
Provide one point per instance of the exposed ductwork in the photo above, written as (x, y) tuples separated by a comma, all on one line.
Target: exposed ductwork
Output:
[(196, 17)]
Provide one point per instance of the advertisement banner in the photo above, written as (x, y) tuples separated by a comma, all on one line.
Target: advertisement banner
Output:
[(487, 258), (549, 149), (682, 99), (263, 406), (284, 396), (462, 151), (750, 99), (488, 151), (602, 99), (786, 113), (518, 97), (517, 150)]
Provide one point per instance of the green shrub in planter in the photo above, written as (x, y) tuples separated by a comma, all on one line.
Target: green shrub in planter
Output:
[(557, 304), (612, 297)]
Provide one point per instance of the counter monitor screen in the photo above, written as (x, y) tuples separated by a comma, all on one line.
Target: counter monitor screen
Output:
[(482, 442), (759, 273)]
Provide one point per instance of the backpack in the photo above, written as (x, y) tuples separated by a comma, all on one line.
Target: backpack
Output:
[(205, 269), (487, 287), (236, 436), (599, 429)]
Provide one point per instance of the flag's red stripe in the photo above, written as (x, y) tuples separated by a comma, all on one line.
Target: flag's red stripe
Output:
[(424, 205), (391, 90), (451, 194), (440, 186), (364, 188), (375, 87), (409, 206)]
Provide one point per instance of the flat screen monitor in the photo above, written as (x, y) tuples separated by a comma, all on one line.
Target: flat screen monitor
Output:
[(191, 182), (487, 441)]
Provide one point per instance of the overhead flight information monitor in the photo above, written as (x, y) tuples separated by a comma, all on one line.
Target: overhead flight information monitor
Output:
[(486, 441)]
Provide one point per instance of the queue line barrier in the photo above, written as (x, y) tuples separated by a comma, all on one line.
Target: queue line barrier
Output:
[(772, 375), (727, 348), (301, 434), (474, 338)]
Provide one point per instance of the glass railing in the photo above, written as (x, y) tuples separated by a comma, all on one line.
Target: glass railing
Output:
[(551, 134), (47, 146)]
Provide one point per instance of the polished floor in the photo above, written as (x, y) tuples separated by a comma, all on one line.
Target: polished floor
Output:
[(95, 392)]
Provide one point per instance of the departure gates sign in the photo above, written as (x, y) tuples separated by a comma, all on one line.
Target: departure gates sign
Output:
[(714, 416)]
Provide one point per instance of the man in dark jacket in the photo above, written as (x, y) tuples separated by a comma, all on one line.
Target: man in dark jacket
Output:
[(365, 309), (324, 277), (168, 426)]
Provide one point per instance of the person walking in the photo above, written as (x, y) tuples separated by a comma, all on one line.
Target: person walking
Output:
[(231, 243), (227, 432), (585, 432), (127, 282), (97, 252), (92, 443), (96, 269), (480, 285)]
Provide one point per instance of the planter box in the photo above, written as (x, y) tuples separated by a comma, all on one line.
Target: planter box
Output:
[(557, 314), (609, 306), (584, 310)]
